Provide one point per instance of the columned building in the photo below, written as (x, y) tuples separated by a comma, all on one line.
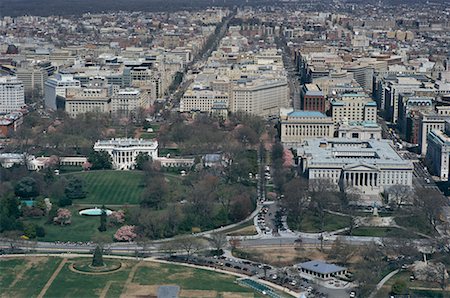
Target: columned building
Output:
[(370, 166), (123, 152), (296, 126)]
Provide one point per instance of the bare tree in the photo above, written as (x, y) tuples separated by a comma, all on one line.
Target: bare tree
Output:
[(430, 202), (399, 195), (218, 240), (190, 245)]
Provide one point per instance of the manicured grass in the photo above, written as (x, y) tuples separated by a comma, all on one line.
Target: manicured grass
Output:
[(310, 223), (29, 281), (187, 278), (417, 223), (72, 284), (383, 232), (67, 283), (111, 187), (82, 228)]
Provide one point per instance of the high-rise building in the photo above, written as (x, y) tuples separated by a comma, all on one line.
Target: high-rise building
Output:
[(353, 107), (57, 86), (312, 98), (12, 95)]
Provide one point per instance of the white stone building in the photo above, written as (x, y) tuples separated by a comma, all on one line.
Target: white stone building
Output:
[(123, 152), (359, 130), (369, 166), (438, 152), (57, 86), (11, 95), (353, 107), (129, 100), (297, 126)]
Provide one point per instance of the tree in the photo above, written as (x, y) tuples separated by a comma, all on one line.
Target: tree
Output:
[(100, 160), (97, 258), (155, 193), (188, 244), (399, 195), (102, 227), (27, 187), (218, 240), (141, 159), (63, 217), (430, 201), (296, 200), (125, 233), (75, 188), (341, 251), (399, 287)]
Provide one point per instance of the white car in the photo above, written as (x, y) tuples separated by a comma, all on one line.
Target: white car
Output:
[(352, 294)]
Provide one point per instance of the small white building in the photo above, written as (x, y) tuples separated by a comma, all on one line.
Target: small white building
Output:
[(124, 151)]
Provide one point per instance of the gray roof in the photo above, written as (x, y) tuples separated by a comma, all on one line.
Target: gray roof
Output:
[(168, 291), (321, 267)]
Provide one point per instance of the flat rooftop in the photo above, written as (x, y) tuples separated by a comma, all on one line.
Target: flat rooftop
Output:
[(307, 114), (343, 151)]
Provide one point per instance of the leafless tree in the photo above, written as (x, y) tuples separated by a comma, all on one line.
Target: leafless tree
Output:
[(218, 240), (188, 244), (399, 195)]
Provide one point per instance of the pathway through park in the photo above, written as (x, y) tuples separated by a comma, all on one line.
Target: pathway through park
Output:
[(52, 278)]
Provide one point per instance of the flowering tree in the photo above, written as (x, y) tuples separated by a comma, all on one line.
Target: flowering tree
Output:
[(63, 217), (288, 158), (117, 217), (86, 166), (125, 233)]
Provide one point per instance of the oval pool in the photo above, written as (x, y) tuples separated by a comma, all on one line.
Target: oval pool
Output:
[(94, 212)]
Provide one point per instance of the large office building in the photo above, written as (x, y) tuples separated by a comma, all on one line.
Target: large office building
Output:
[(123, 152), (202, 100), (438, 152), (57, 87), (427, 123), (11, 95), (353, 107), (370, 167), (312, 98), (129, 100), (297, 126), (80, 101), (261, 97)]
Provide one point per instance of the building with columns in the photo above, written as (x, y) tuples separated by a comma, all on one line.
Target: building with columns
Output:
[(123, 152), (370, 166), (297, 126)]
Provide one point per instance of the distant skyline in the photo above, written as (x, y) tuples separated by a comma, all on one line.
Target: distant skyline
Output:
[(71, 7)]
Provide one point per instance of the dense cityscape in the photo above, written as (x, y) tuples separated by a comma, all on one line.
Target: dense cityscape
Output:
[(225, 149)]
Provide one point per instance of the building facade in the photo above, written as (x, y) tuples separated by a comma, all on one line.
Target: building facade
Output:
[(370, 167), (123, 152), (360, 130), (438, 152), (312, 98), (12, 96), (296, 126), (353, 107), (57, 87)]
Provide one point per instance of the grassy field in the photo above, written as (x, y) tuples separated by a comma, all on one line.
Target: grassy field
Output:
[(311, 223), (82, 228), (383, 232), (111, 187), (26, 277), (417, 223)]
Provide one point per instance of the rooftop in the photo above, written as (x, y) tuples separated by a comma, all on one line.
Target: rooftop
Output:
[(307, 114)]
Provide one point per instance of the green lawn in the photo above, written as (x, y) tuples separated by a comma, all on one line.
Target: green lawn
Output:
[(417, 223), (310, 222), (26, 277), (111, 187), (29, 277), (383, 232), (82, 228), (187, 278)]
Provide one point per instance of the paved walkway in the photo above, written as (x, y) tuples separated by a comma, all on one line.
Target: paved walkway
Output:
[(382, 282), (52, 278)]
